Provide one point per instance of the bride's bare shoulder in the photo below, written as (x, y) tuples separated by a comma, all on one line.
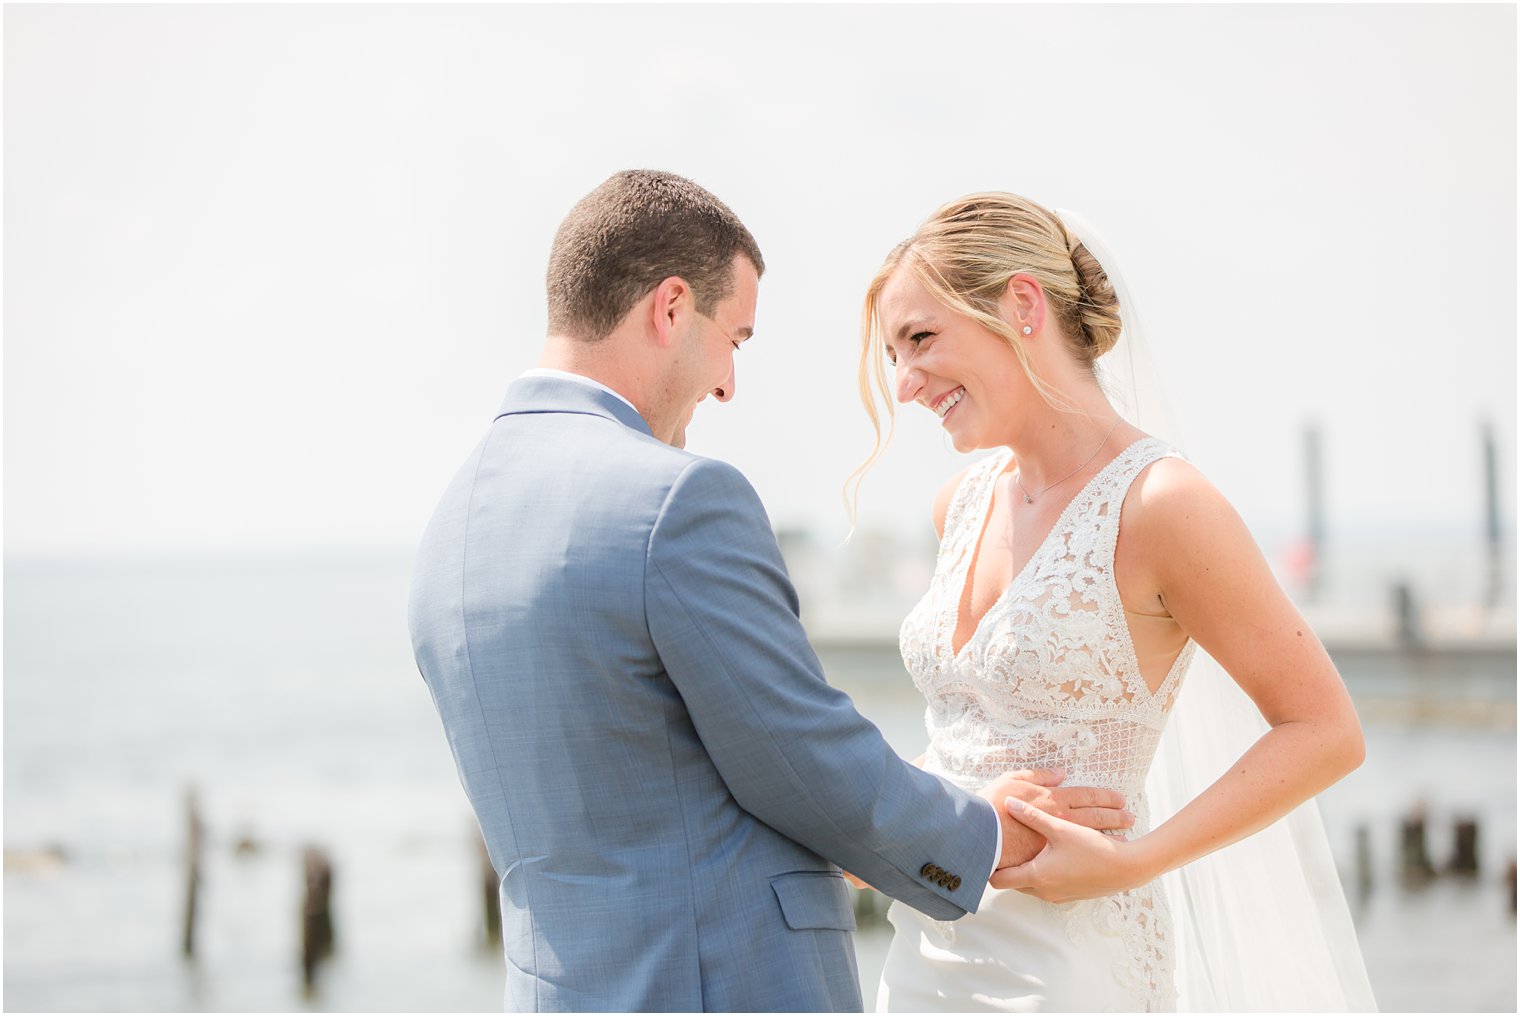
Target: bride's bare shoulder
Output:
[(1173, 505), (1171, 481)]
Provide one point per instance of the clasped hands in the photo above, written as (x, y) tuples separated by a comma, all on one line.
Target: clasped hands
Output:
[(1052, 844)]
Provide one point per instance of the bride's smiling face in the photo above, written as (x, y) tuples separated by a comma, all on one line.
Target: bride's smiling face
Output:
[(951, 365)]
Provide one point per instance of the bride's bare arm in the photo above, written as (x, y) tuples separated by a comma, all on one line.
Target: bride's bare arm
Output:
[(1213, 580)]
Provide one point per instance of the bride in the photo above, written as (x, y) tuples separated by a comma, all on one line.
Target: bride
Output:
[(1082, 566)]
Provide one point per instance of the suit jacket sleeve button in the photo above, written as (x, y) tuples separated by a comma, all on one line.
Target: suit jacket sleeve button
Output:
[(955, 883), (927, 871)]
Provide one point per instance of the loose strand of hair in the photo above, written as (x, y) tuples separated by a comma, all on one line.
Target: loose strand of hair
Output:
[(871, 370)]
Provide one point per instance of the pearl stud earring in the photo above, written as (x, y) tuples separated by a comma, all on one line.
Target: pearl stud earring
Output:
[(1028, 330)]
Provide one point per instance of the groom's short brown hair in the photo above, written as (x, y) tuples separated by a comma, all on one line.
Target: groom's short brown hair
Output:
[(633, 232)]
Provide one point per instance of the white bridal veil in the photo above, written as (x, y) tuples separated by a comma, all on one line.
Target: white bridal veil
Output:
[(1261, 925)]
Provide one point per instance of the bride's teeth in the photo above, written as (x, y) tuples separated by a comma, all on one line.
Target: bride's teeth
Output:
[(949, 403)]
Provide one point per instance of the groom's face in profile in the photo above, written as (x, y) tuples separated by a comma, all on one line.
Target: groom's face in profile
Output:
[(707, 362)]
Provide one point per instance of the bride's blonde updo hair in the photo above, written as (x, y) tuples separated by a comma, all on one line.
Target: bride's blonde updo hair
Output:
[(965, 254)]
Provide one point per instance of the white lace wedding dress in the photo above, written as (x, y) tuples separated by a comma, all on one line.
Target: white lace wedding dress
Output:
[(1049, 678)]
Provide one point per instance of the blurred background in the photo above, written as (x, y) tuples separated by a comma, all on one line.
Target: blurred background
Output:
[(270, 269)]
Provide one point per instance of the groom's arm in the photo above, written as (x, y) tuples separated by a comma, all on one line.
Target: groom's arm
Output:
[(792, 749)]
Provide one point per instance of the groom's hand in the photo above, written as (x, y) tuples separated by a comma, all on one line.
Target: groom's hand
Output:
[(1092, 807)]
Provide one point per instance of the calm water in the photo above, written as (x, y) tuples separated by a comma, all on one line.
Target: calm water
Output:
[(284, 691)]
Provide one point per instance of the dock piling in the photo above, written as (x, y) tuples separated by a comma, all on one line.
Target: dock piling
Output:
[(316, 914), (490, 898), (195, 834), (1363, 863), (1464, 857), (1414, 859)]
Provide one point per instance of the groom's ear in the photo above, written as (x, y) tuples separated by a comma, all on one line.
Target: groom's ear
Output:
[(673, 301)]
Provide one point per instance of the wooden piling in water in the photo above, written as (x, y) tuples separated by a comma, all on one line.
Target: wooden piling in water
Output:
[(1406, 615), (1414, 859), (490, 898), (1464, 857), (1314, 486), (195, 832), (1363, 863), (316, 914), (870, 907)]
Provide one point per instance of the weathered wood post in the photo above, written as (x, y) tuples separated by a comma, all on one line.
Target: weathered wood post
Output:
[(868, 906), (1464, 857), (316, 915), (1363, 863), (195, 834), (490, 898), (1406, 616), (1314, 487), (1493, 528), (1414, 859)]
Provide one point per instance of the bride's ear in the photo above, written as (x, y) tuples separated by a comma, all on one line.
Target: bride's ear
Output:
[(1023, 305)]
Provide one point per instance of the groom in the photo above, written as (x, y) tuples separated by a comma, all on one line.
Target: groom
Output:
[(664, 779)]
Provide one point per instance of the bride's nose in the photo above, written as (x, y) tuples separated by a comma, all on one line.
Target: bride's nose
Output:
[(910, 381)]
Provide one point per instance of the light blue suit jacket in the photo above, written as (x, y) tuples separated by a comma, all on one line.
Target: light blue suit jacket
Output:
[(661, 772)]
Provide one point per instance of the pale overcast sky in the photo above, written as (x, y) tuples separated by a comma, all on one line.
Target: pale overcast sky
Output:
[(268, 270)]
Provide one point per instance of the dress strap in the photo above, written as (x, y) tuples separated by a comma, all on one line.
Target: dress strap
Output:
[(962, 513), (1119, 476)]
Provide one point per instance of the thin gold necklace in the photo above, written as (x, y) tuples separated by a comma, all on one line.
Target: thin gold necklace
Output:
[(1029, 498)]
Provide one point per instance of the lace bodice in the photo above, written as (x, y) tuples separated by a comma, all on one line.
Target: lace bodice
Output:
[(1049, 677)]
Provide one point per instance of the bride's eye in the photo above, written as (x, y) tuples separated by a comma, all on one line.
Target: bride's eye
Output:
[(915, 338)]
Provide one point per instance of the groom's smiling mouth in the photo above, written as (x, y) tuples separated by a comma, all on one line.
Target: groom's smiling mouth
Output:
[(947, 402)]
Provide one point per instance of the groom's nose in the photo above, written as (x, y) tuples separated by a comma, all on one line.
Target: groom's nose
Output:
[(725, 391)]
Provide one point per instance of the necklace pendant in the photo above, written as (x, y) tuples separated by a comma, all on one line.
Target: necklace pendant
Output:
[(1028, 499)]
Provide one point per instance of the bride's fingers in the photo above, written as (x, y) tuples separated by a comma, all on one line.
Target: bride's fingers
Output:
[(1071, 798), (1100, 818), (1046, 825)]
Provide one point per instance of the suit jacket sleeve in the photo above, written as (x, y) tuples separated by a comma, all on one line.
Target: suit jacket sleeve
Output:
[(793, 750)]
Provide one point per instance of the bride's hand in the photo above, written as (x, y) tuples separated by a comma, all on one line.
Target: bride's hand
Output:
[(1093, 807), (1076, 864)]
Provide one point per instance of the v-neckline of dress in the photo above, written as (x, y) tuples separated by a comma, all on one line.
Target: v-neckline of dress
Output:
[(976, 548)]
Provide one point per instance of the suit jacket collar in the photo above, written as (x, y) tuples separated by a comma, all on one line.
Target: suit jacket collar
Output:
[(557, 395)]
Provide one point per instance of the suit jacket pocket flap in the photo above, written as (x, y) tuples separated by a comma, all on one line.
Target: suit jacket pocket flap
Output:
[(812, 900)]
